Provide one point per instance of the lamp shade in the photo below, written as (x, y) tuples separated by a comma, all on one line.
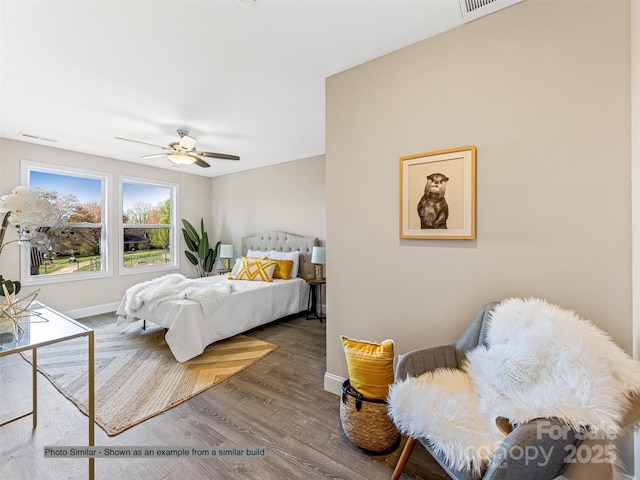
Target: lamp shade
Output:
[(319, 255), (226, 251), (187, 142), (181, 158)]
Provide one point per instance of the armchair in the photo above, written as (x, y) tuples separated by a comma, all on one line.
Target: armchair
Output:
[(509, 462)]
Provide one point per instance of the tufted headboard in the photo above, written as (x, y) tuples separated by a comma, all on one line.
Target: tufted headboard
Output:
[(284, 242)]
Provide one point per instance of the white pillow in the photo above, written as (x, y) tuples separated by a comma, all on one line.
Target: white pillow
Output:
[(236, 267), (295, 256), (256, 254)]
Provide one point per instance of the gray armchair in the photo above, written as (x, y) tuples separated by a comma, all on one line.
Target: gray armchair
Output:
[(508, 463)]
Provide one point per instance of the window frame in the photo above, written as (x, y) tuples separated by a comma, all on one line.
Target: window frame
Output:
[(106, 180), (174, 258)]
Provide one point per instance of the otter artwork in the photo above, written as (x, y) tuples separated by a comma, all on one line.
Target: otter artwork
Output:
[(433, 208)]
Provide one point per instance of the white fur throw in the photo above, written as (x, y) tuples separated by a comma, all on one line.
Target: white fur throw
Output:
[(540, 361), (175, 286)]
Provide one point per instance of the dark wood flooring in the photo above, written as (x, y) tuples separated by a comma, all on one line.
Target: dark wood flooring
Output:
[(278, 403)]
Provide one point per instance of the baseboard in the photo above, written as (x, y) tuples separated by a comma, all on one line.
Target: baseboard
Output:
[(333, 383), (94, 310)]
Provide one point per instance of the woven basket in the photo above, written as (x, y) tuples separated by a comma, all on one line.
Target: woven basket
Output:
[(366, 423)]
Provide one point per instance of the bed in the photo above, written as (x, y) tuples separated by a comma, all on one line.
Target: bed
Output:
[(198, 312)]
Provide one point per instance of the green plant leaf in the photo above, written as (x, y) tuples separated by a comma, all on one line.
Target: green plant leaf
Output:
[(203, 248), (192, 258), (191, 245), (13, 286), (215, 250), (209, 261), (3, 229), (190, 231)]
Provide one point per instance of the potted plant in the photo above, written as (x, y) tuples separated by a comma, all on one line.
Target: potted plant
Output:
[(199, 252)]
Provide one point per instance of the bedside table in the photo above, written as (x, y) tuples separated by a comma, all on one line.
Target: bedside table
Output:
[(314, 304), (222, 271)]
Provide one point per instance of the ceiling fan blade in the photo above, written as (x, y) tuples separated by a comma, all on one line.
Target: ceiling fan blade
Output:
[(223, 156), (201, 163), (137, 141), (155, 155)]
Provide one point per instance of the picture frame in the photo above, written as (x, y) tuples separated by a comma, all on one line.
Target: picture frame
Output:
[(438, 194)]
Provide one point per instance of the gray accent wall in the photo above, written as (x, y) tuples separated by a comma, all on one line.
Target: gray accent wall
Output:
[(543, 90)]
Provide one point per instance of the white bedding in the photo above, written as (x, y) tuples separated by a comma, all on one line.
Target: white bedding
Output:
[(227, 308)]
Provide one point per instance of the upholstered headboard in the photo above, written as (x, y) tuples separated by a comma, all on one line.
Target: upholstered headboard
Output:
[(284, 242)]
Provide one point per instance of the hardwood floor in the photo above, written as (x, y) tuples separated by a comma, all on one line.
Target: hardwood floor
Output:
[(278, 403)]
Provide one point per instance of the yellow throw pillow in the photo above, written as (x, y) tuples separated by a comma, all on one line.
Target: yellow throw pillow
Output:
[(255, 269), (238, 265), (283, 269), (370, 366)]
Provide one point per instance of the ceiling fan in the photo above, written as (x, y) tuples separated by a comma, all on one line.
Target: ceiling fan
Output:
[(184, 151)]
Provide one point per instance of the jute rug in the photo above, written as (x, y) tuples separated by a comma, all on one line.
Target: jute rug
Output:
[(136, 376)]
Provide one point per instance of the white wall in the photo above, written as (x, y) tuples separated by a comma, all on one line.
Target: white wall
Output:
[(93, 296), (289, 197), (543, 90)]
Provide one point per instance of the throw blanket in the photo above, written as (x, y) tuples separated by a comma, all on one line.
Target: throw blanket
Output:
[(539, 361), (174, 287)]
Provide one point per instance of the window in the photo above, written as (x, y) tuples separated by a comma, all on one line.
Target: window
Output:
[(78, 247), (148, 226)]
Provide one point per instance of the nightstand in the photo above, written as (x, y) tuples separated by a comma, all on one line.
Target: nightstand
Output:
[(314, 304), (221, 271)]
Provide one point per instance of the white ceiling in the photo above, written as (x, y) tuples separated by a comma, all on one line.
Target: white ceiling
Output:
[(245, 77)]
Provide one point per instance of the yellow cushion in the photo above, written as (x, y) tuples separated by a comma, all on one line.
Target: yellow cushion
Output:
[(283, 269), (238, 265), (370, 366), (255, 269)]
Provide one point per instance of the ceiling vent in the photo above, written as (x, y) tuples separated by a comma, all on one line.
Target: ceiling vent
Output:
[(37, 137), (472, 9)]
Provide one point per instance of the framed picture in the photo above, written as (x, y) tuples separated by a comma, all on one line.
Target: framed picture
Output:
[(437, 194)]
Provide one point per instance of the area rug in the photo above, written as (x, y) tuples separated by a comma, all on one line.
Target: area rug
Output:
[(136, 376)]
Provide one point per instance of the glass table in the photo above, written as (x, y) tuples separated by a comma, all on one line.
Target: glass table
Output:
[(40, 326)]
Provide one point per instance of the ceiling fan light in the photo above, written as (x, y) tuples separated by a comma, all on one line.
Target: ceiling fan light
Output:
[(187, 142), (181, 159)]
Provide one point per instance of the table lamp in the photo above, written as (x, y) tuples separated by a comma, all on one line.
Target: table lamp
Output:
[(226, 252), (319, 258)]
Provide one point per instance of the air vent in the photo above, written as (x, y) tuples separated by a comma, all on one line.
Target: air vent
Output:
[(472, 9), (37, 137)]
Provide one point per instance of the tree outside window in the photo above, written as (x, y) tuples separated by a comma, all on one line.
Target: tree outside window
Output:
[(148, 225), (77, 246)]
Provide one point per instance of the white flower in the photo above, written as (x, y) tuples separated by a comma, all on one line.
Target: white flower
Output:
[(26, 207), (27, 212)]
